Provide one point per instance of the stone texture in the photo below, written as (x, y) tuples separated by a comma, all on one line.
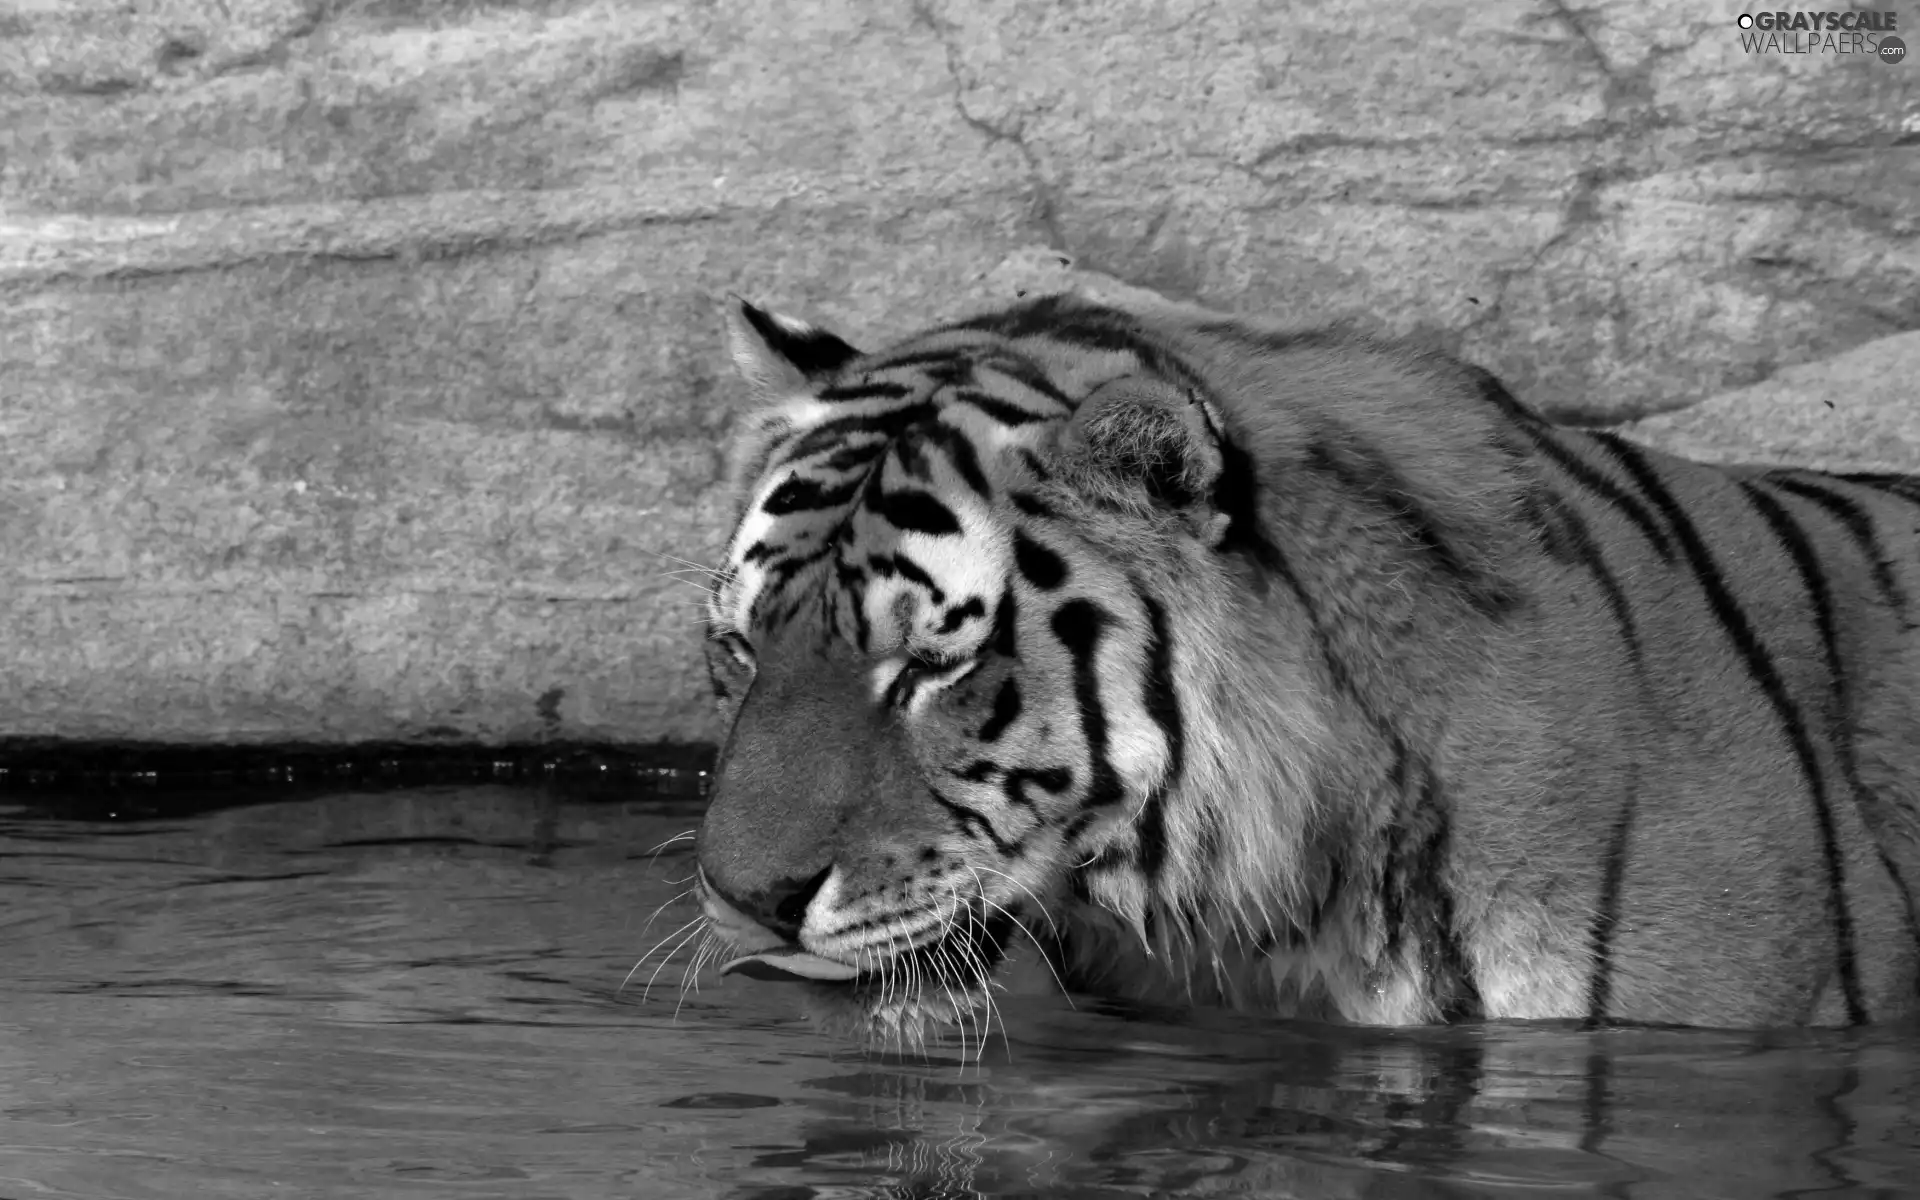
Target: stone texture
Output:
[(1857, 412), (360, 372)]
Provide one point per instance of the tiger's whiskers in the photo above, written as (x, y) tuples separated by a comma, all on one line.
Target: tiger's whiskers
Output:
[(1045, 958), (686, 835), (688, 929)]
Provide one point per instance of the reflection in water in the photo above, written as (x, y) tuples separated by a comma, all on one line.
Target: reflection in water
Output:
[(1352, 1114), (419, 993)]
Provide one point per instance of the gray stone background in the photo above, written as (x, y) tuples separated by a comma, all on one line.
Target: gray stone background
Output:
[(360, 360)]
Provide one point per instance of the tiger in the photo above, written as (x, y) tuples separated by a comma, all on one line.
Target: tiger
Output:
[(1305, 673)]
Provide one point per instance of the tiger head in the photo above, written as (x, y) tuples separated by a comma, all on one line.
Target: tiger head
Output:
[(952, 640)]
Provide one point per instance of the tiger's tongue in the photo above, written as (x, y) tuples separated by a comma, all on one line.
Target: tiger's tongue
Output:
[(787, 966)]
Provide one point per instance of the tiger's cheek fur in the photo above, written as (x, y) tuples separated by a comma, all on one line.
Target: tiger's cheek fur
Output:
[(1003, 752)]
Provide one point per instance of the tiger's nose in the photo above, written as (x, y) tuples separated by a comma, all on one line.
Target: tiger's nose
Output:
[(780, 906)]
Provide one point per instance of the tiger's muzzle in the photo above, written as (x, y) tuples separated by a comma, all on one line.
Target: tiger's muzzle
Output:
[(766, 954)]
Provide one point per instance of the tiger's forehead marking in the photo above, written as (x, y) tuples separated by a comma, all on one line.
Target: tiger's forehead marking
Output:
[(900, 461), (966, 568)]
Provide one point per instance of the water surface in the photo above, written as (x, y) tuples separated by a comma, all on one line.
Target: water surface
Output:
[(419, 993)]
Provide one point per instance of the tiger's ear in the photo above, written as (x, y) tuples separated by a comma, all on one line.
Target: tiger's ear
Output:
[(1143, 433), (779, 355)]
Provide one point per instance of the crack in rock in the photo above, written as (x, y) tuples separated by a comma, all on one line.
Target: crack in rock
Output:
[(1625, 95), (1046, 202)]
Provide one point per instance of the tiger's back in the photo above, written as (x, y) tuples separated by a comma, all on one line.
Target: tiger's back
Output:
[(1344, 686)]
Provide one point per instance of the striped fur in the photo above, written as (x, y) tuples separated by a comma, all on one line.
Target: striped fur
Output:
[(1304, 674)]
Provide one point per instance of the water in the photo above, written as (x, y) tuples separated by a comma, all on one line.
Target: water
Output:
[(418, 993)]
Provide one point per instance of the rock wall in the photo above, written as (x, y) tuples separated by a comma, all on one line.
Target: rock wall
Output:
[(360, 371)]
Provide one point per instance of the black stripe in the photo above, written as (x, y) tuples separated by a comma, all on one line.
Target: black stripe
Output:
[(1417, 900), (1545, 512), (960, 451), (913, 510), (1036, 466), (1393, 917), (1367, 475), (1005, 626), (731, 648), (1812, 575), (1112, 332), (803, 494), (1813, 578), (1004, 411), (910, 452), (969, 820), (1078, 323), (845, 452), (1901, 487), (1271, 341), (937, 364), (1080, 624), (886, 424), (1236, 494), (864, 390), (1117, 856), (829, 629), (972, 609), (889, 566), (900, 689), (1041, 315), (1578, 540), (1489, 388), (1006, 710), (1032, 505), (1839, 707), (1606, 914), (1089, 327), (1858, 523), (786, 615), (848, 459), (852, 581), (1077, 881), (1028, 376), (781, 573), (1161, 699), (1037, 564), (1760, 668), (1592, 480), (1053, 779), (1339, 672)]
